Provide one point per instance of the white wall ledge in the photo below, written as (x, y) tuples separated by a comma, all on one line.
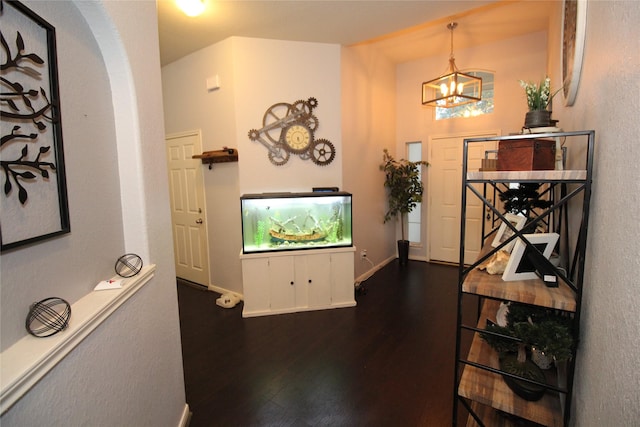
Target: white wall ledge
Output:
[(23, 364)]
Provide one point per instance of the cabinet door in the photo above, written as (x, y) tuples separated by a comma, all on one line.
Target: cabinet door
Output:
[(342, 286), (281, 278), (313, 272), (255, 274)]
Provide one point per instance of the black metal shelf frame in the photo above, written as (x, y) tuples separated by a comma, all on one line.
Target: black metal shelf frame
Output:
[(558, 190)]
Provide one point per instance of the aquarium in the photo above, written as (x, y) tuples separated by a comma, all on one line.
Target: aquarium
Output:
[(293, 221)]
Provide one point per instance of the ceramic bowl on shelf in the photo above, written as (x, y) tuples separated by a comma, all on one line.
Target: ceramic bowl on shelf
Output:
[(529, 370)]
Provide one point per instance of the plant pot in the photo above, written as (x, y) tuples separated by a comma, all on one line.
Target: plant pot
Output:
[(403, 252), (529, 370), (540, 358), (537, 119)]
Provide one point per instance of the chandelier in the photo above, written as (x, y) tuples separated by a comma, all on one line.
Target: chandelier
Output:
[(453, 88)]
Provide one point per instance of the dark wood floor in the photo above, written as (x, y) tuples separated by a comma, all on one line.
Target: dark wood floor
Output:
[(387, 362)]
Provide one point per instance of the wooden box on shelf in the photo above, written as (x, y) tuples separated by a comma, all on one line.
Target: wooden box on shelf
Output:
[(526, 155)]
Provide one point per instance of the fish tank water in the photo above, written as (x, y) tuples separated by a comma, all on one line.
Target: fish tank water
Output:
[(294, 221)]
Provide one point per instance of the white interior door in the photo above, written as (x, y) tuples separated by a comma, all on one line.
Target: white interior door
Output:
[(188, 215), (445, 186)]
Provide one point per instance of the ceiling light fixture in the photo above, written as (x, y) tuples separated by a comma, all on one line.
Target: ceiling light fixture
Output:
[(191, 7), (453, 88)]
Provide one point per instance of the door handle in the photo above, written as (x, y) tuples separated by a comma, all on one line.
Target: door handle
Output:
[(199, 221), (487, 206)]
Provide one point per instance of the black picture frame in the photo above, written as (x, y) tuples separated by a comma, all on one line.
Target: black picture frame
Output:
[(34, 190)]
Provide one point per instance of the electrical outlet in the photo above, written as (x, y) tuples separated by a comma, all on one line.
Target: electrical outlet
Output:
[(363, 254)]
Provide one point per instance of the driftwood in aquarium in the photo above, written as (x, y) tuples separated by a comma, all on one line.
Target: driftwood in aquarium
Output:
[(315, 236), (218, 156)]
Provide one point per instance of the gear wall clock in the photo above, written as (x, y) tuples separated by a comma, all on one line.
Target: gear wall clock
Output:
[(290, 129)]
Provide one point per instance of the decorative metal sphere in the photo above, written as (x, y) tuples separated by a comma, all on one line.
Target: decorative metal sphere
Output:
[(128, 265), (48, 317)]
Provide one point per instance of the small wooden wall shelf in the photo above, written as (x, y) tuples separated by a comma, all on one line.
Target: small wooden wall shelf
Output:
[(218, 156)]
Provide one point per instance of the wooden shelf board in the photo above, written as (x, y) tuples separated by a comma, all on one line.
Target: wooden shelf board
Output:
[(544, 175), (494, 418), (490, 389), (488, 415), (525, 291), (218, 156)]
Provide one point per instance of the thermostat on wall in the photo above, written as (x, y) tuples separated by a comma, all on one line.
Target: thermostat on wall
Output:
[(213, 83)]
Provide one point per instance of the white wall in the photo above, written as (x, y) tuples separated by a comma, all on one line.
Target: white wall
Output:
[(607, 379), (129, 370), (368, 127), (92, 173), (272, 71), (188, 105), (254, 75)]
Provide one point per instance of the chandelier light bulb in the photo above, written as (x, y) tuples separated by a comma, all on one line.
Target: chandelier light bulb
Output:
[(460, 88), (444, 89)]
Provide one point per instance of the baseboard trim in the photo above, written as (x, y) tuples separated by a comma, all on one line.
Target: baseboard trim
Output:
[(185, 418), (209, 287), (192, 284), (372, 271), (221, 291)]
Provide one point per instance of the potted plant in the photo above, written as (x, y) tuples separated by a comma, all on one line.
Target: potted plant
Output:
[(404, 190), (538, 330), (512, 357), (545, 332), (538, 100)]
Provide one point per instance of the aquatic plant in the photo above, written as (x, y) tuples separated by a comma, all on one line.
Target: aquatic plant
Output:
[(258, 236), (332, 233)]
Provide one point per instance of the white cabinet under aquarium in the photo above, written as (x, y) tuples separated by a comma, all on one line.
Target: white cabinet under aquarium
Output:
[(297, 252)]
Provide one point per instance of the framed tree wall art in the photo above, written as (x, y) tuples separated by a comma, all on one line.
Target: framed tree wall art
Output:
[(33, 203), (574, 22)]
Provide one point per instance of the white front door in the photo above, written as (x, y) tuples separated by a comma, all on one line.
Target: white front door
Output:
[(188, 216), (445, 186)]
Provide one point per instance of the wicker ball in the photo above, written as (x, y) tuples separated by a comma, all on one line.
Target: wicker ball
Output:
[(128, 265), (48, 317)]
